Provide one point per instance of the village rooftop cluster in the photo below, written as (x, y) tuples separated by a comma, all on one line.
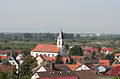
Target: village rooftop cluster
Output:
[(57, 62)]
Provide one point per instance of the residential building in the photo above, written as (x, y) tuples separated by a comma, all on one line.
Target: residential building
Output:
[(3, 54), (51, 71)]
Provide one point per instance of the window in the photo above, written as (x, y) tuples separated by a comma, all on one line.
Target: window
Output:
[(48, 55), (36, 54), (13, 63), (52, 55)]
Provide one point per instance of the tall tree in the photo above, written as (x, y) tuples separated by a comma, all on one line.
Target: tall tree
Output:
[(4, 75), (59, 59), (27, 66), (93, 55), (76, 50)]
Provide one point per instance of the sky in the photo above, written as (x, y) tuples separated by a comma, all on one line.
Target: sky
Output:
[(72, 16)]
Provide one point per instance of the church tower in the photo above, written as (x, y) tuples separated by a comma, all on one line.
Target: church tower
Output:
[(60, 42)]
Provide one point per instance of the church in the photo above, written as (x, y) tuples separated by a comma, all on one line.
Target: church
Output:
[(50, 50)]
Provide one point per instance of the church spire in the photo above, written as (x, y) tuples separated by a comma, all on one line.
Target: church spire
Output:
[(60, 41), (61, 35)]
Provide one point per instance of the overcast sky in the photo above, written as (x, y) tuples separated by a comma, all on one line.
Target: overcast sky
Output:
[(81, 16)]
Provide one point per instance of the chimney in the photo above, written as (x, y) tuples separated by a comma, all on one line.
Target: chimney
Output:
[(52, 66)]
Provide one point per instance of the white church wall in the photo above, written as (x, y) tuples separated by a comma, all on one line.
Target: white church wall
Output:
[(48, 54)]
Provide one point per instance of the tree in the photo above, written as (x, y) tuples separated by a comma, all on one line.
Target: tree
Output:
[(26, 52), (93, 55), (71, 61), (110, 57), (59, 59), (66, 47), (27, 66), (0, 60), (4, 75), (116, 77), (86, 58), (76, 50), (99, 48)]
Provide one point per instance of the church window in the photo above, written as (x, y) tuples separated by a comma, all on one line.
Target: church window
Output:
[(52, 55), (48, 55)]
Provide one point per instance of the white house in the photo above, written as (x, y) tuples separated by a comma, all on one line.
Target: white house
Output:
[(19, 58), (11, 59), (82, 67), (50, 50), (78, 67), (101, 68), (3, 54)]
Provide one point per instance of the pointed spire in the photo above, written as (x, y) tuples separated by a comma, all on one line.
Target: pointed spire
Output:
[(61, 35)]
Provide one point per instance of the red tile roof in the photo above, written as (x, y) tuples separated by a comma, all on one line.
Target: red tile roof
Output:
[(46, 78), (54, 58), (72, 77), (87, 53), (46, 48), (117, 54), (3, 57), (114, 71), (3, 51), (74, 66), (104, 62), (115, 65), (18, 51), (103, 49), (96, 64), (77, 57), (91, 49)]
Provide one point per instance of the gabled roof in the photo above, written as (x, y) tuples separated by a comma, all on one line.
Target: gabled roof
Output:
[(13, 58), (73, 67), (87, 74), (117, 54), (46, 48), (8, 69), (17, 51), (106, 49), (70, 77), (114, 71), (60, 70)]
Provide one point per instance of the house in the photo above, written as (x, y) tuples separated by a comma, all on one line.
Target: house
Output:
[(116, 63), (104, 62), (40, 58), (12, 61), (106, 50), (117, 56), (52, 71), (50, 50), (3, 54), (17, 51), (113, 71), (91, 50), (20, 58), (86, 53), (78, 67), (88, 74), (77, 58), (8, 69), (101, 68)]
